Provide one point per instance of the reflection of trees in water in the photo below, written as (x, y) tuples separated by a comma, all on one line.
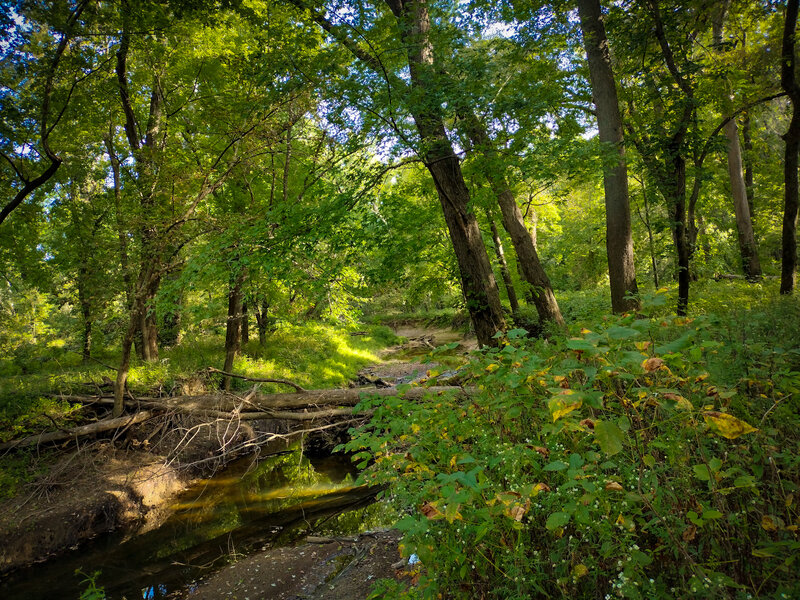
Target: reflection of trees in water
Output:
[(242, 493)]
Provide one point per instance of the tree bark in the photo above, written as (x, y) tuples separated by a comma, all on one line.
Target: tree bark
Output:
[(792, 139), (90, 429), (501, 260), (619, 239), (747, 159), (677, 165), (245, 324), (744, 226), (262, 322), (513, 222), (86, 310), (477, 278), (233, 329), (741, 207)]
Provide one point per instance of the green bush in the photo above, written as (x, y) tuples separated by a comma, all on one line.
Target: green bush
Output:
[(644, 459)]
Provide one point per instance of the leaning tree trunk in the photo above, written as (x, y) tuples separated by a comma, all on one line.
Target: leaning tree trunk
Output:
[(792, 139), (504, 272), (619, 239), (477, 278), (741, 206), (513, 222), (744, 226)]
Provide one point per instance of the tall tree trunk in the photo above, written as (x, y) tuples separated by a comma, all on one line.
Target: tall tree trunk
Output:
[(619, 239), (676, 167), (513, 222), (792, 139), (86, 311), (650, 240), (262, 321), (477, 278), (245, 324), (747, 159), (122, 233), (501, 260), (741, 208), (747, 241), (233, 329)]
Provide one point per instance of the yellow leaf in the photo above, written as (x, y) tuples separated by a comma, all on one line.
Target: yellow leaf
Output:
[(768, 523), (727, 425), (680, 402), (492, 367), (580, 571), (540, 487), (584, 331), (561, 406), (453, 461), (626, 523)]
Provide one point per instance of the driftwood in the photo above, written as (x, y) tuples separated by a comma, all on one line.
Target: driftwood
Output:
[(308, 405), (308, 399), (258, 379), (83, 430)]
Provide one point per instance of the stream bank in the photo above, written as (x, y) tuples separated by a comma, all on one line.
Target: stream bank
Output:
[(127, 488)]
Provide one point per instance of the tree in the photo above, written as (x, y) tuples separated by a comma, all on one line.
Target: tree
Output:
[(619, 241), (741, 201), (64, 21), (412, 29), (792, 139)]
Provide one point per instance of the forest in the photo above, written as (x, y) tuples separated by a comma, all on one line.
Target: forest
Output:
[(528, 267)]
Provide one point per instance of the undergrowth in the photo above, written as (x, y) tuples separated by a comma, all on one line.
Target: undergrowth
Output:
[(312, 355), (638, 457)]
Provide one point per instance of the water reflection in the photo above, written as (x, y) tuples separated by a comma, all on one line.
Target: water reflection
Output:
[(246, 507)]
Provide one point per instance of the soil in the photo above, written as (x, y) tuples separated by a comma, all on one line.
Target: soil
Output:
[(338, 570), (95, 490)]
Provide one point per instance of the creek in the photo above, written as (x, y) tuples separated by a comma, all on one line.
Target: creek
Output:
[(248, 506)]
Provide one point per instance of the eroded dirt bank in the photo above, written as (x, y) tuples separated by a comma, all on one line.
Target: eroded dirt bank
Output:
[(87, 493)]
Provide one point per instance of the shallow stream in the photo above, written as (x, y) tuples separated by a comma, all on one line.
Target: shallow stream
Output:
[(246, 507)]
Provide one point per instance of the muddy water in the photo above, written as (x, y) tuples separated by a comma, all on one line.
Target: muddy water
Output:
[(246, 507)]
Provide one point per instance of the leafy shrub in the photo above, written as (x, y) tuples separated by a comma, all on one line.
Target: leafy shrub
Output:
[(623, 462)]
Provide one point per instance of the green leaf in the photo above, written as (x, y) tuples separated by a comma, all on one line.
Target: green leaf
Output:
[(622, 333), (609, 436), (556, 520), (702, 472), (557, 465)]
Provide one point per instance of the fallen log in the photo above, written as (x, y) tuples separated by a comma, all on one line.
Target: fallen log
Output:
[(251, 407), (90, 429), (282, 400)]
